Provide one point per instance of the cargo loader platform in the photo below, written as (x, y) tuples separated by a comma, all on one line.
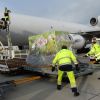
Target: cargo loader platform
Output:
[(13, 65)]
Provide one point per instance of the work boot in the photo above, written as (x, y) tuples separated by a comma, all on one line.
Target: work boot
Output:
[(74, 90), (58, 87), (76, 94)]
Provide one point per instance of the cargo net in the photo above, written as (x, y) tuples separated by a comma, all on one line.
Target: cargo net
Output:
[(44, 47)]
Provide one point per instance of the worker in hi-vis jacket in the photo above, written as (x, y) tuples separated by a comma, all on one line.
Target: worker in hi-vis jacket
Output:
[(63, 60), (95, 50)]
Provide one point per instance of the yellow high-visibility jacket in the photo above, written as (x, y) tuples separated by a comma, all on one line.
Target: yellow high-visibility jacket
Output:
[(64, 56), (95, 49)]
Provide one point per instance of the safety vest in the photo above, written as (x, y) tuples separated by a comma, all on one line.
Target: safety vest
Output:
[(95, 50), (63, 57)]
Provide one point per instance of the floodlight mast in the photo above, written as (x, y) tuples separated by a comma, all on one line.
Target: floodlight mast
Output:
[(8, 22)]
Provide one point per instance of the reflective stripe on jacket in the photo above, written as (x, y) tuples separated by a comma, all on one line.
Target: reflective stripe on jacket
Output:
[(64, 56)]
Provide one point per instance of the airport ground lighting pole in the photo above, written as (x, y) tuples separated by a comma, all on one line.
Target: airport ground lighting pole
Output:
[(9, 42), (8, 22), (4, 25)]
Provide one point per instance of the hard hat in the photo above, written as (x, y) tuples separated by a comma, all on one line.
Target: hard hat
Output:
[(94, 40)]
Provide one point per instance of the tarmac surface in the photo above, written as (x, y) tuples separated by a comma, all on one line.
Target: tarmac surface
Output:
[(45, 89)]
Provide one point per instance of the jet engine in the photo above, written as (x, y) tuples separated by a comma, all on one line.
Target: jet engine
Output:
[(95, 21), (78, 41)]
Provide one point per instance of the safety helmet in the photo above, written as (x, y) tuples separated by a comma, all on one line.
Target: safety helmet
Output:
[(94, 40)]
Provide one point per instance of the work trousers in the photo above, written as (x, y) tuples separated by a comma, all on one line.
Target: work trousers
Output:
[(70, 75)]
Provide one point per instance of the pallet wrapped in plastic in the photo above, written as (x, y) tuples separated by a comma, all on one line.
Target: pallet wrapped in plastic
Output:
[(43, 47)]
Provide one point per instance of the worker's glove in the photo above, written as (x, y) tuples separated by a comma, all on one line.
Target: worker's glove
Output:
[(77, 67), (53, 69)]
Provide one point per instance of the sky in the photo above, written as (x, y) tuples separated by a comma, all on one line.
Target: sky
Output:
[(77, 11)]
